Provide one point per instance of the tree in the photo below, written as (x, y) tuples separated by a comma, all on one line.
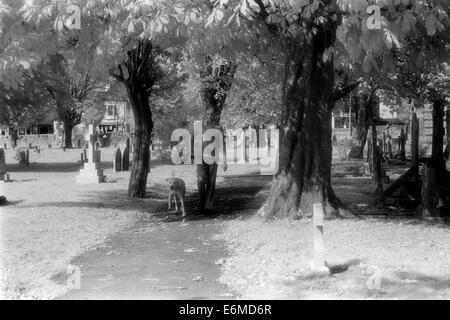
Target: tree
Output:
[(23, 106), (307, 31), (73, 88), (117, 37)]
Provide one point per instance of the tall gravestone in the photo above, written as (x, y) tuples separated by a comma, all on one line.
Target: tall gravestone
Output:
[(91, 172), (22, 157), (117, 160), (126, 157), (4, 176)]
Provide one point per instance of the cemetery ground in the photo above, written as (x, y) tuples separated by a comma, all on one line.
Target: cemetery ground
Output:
[(129, 248)]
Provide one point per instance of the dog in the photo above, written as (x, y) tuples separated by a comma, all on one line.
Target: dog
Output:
[(177, 188)]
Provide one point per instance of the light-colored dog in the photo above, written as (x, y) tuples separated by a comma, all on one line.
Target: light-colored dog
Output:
[(177, 189)]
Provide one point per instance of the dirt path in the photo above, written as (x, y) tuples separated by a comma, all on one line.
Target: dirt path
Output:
[(162, 257)]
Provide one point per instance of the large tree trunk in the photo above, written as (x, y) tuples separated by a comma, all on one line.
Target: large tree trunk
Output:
[(68, 113), (138, 72), (68, 127), (365, 111), (304, 175), (142, 140), (14, 137)]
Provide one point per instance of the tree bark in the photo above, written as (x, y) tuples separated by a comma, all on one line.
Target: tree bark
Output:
[(14, 137), (364, 116), (68, 127), (304, 174)]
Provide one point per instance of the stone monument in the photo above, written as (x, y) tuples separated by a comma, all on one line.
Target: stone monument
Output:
[(126, 157), (4, 176), (91, 172), (117, 160)]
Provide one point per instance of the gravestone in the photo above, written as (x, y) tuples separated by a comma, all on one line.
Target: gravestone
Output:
[(117, 160), (402, 142), (91, 172), (22, 157), (126, 157), (4, 176)]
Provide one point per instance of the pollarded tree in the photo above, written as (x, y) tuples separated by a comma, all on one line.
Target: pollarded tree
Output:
[(308, 31)]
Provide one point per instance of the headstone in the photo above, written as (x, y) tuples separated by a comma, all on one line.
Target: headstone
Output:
[(117, 160), (402, 142), (126, 157), (22, 157), (4, 176), (91, 172), (2, 162), (318, 263), (429, 200)]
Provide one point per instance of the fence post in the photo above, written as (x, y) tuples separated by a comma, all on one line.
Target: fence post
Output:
[(318, 263)]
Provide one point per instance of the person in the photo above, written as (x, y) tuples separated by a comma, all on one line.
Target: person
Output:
[(207, 173)]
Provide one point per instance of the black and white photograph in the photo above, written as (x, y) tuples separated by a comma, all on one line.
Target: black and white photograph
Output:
[(240, 152)]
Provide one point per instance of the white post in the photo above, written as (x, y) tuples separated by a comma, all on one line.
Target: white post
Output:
[(318, 263)]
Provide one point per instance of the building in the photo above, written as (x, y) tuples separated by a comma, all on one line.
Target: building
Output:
[(115, 118)]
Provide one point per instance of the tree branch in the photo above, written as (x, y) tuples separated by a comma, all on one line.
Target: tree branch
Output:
[(340, 92)]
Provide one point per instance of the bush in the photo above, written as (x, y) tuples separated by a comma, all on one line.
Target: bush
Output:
[(3, 200)]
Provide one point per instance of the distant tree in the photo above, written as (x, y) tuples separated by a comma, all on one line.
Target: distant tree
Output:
[(23, 106)]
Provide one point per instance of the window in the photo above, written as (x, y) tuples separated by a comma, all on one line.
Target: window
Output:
[(111, 110)]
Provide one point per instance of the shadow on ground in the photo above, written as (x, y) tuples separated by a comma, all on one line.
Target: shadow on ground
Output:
[(162, 256)]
